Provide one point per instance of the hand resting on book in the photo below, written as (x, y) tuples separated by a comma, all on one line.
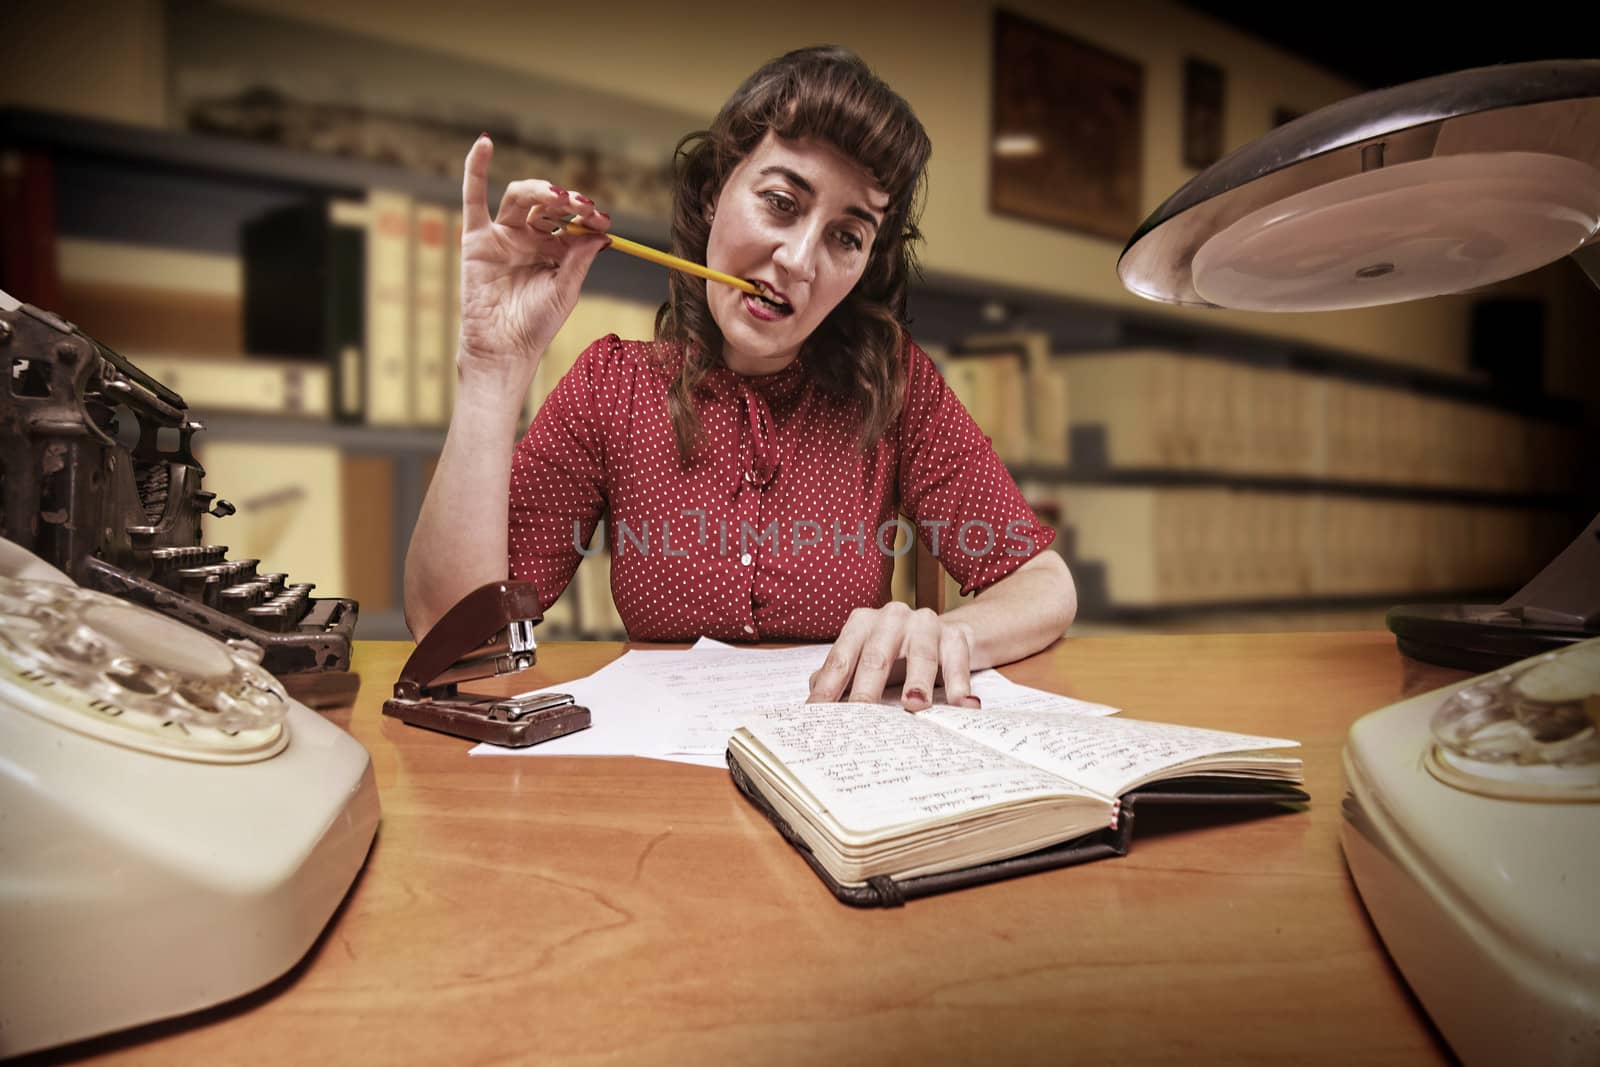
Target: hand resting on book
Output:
[(1016, 616), (881, 646)]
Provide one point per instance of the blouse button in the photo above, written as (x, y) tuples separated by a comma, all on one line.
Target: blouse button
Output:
[(749, 629), (745, 559)]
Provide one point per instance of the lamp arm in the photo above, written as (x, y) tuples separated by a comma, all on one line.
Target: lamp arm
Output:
[(1588, 257)]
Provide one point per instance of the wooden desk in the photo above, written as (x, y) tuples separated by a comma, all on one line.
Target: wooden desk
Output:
[(634, 911)]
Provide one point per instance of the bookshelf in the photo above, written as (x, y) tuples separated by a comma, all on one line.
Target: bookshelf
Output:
[(407, 456), (1392, 484), (179, 203), (161, 189)]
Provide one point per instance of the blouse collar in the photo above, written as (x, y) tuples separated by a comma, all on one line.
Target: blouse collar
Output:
[(757, 396), (777, 389)]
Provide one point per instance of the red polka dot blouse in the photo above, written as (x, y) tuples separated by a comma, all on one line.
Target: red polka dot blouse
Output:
[(781, 524)]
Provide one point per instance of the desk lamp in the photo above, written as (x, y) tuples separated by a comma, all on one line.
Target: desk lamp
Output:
[(1438, 186), (1472, 814)]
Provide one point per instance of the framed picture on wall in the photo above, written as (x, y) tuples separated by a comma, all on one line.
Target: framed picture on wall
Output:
[(1066, 131), (1202, 112)]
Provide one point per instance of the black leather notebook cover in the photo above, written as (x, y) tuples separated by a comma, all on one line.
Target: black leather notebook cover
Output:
[(885, 892)]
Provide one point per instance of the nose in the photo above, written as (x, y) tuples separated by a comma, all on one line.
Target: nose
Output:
[(796, 254)]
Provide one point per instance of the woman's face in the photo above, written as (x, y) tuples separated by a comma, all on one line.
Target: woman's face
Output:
[(799, 217)]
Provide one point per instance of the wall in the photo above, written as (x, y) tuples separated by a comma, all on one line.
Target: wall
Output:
[(935, 53), (86, 57)]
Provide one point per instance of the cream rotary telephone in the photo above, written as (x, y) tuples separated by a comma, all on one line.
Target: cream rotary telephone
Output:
[(175, 829)]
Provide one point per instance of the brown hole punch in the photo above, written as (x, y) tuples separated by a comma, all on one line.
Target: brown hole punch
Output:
[(489, 632)]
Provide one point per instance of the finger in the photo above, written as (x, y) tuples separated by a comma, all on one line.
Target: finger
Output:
[(880, 651), (955, 662), (581, 256), (522, 198), (475, 184), (827, 684), (587, 215), (922, 660), (546, 219), (553, 219)]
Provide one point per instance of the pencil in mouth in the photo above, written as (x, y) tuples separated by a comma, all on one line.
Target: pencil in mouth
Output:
[(666, 259)]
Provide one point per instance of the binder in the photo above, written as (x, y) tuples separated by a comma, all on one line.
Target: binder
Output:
[(305, 280)]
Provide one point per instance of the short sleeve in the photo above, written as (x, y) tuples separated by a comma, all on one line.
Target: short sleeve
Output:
[(558, 472), (964, 504)]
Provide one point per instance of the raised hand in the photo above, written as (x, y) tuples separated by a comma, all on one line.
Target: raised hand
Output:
[(519, 278)]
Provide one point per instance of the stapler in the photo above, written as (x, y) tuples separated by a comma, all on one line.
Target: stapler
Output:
[(489, 633)]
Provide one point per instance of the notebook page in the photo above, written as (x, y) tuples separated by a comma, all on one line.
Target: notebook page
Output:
[(873, 767), (1109, 756)]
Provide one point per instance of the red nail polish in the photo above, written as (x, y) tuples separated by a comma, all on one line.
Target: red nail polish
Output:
[(604, 214), (558, 190), (916, 694), (971, 702), (580, 198)]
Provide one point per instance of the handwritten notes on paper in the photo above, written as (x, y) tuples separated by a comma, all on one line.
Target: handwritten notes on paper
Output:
[(709, 693), (873, 766), (1109, 756)]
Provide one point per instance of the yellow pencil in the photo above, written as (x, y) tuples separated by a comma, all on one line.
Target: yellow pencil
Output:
[(634, 248)]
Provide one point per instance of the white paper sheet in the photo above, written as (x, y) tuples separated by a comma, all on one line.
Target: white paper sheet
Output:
[(683, 705), (708, 694), (622, 721), (998, 691)]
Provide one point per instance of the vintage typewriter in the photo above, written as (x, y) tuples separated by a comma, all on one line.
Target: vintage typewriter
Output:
[(98, 478)]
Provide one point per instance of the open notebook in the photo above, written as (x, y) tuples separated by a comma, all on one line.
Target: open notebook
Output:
[(887, 805)]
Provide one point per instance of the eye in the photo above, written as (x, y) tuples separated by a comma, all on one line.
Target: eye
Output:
[(850, 240), (782, 203)]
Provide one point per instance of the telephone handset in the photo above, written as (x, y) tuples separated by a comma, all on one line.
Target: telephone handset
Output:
[(488, 632), (178, 829)]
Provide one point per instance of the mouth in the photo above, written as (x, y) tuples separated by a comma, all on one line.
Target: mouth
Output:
[(769, 305)]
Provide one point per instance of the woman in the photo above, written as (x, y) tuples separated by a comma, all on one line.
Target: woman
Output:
[(753, 458)]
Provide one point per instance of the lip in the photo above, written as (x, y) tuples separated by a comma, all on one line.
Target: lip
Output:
[(773, 290), (759, 310)]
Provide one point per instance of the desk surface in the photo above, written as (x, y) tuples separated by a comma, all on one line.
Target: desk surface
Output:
[(620, 910)]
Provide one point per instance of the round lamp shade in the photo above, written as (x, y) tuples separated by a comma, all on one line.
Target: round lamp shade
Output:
[(1440, 225), (1438, 186)]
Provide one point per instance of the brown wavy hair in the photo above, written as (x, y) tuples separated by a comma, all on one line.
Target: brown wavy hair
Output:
[(829, 94)]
